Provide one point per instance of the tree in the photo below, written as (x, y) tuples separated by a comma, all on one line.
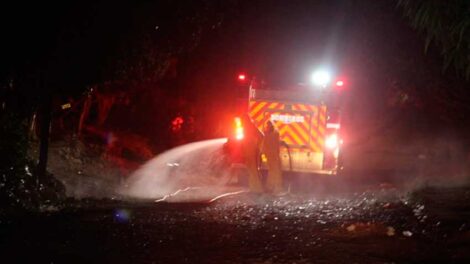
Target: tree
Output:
[(447, 25), (57, 50)]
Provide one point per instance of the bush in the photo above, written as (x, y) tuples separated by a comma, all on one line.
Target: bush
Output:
[(19, 183)]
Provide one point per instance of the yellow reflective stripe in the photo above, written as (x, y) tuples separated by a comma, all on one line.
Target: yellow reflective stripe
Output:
[(323, 115), (285, 135), (260, 118), (301, 131), (301, 107), (272, 106), (295, 137), (286, 132), (257, 108), (315, 147)]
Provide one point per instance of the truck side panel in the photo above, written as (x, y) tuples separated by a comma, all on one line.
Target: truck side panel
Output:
[(301, 126)]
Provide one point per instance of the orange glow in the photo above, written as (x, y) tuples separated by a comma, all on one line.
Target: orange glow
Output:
[(239, 133), (238, 122)]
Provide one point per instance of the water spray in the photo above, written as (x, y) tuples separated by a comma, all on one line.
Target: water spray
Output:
[(191, 172)]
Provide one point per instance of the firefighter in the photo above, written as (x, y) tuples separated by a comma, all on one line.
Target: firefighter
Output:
[(250, 152), (270, 148)]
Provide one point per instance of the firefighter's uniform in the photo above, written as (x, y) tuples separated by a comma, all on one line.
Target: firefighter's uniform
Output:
[(250, 152), (270, 148)]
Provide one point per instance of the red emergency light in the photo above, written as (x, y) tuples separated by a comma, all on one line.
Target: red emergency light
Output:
[(241, 77), (339, 83), (239, 133)]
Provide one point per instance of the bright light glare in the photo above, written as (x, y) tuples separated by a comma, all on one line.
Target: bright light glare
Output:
[(321, 78), (238, 122), (241, 77), (332, 141), (333, 125), (339, 83), (239, 133)]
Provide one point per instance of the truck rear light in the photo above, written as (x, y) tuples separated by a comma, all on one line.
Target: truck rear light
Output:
[(332, 141), (239, 133)]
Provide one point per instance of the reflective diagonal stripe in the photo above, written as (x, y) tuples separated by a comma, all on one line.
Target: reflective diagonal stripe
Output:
[(300, 132), (274, 106), (298, 140), (286, 134), (322, 114), (304, 107), (289, 138), (301, 107), (308, 131), (260, 118), (256, 108)]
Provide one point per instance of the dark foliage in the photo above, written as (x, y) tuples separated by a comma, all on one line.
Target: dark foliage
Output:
[(19, 183), (445, 24)]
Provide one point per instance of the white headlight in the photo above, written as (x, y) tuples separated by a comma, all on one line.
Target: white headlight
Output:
[(321, 78)]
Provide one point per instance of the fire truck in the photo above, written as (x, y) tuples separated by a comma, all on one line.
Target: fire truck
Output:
[(309, 125)]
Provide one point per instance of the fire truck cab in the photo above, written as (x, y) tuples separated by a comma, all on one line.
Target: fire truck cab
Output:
[(309, 125)]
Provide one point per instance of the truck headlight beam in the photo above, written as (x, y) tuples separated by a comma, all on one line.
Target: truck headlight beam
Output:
[(321, 78)]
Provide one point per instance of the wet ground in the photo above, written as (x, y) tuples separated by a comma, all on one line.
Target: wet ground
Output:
[(374, 224)]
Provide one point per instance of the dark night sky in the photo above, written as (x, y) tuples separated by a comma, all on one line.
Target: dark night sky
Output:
[(284, 42), (366, 42), (281, 41)]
